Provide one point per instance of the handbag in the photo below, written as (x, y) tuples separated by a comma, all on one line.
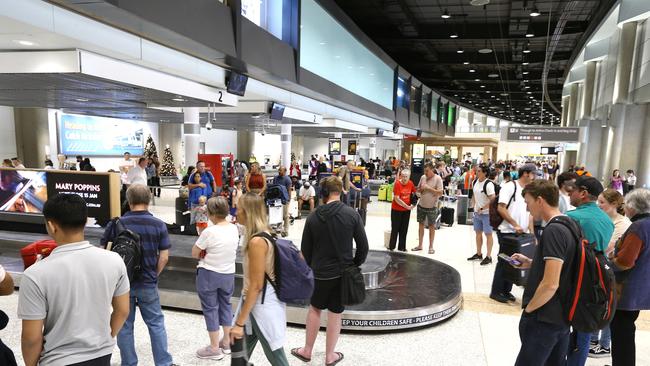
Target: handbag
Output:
[(353, 287)]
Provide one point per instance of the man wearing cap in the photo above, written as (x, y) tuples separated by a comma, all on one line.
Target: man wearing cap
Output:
[(598, 229), (306, 194), (516, 220)]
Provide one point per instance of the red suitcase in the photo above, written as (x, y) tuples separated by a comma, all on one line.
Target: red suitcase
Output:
[(31, 251)]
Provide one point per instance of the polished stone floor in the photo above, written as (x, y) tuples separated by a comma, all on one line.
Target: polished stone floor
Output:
[(482, 333)]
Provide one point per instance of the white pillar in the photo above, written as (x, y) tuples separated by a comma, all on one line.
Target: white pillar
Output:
[(373, 148), (624, 60), (588, 95), (191, 132), (285, 139), (573, 106), (470, 118), (498, 124)]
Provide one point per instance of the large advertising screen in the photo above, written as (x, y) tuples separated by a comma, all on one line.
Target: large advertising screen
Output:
[(335, 146), (99, 136), (22, 191), (94, 189)]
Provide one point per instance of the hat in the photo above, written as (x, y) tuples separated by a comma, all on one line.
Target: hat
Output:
[(589, 184), (528, 167)]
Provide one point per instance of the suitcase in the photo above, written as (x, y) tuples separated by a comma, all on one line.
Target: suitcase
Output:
[(447, 216), (382, 193), (389, 194), (31, 252), (357, 206), (511, 244)]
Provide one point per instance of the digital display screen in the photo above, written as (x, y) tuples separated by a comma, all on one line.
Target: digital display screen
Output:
[(352, 147), (22, 191), (100, 136), (335, 146), (94, 189), (237, 84), (277, 111)]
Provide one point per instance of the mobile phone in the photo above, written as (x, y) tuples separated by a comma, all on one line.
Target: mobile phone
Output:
[(511, 261)]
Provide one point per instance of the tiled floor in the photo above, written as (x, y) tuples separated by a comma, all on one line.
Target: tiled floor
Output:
[(482, 333)]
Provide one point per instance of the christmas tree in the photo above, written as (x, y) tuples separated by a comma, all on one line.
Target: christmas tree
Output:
[(150, 148), (168, 169)]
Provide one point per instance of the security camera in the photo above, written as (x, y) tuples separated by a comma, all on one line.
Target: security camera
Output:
[(208, 125)]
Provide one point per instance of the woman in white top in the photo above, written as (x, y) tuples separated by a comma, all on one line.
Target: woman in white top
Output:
[(216, 250), (264, 321), (611, 202)]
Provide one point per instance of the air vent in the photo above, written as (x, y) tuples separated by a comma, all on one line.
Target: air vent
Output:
[(479, 2)]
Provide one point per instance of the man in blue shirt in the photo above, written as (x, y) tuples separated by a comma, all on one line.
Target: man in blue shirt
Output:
[(598, 229), (144, 291), (208, 183), (283, 180)]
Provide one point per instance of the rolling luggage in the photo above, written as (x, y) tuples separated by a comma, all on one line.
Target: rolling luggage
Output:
[(382, 193), (389, 194), (357, 205), (447, 216), (511, 244), (31, 252)]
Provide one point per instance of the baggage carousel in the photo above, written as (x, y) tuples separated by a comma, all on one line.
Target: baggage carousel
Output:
[(403, 291)]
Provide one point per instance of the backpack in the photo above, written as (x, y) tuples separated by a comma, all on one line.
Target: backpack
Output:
[(496, 186), (128, 245), (294, 279), (277, 191), (495, 217), (592, 302)]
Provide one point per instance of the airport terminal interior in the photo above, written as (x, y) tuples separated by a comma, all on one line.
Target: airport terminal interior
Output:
[(215, 97)]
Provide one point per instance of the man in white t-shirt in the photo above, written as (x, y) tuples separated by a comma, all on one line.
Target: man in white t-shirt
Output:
[(306, 194), (484, 194), (126, 165), (138, 174), (516, 220)]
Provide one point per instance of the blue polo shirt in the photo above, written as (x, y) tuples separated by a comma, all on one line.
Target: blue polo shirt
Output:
[(596, 225), (154, 238)]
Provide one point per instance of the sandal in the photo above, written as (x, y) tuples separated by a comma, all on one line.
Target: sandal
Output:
[(337, 361), (431, 251), (294, 353), (416, 249)]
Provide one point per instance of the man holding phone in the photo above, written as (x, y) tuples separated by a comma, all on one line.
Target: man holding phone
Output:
[(543, 328)]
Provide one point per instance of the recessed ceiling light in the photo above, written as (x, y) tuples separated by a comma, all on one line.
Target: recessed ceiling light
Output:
[(445, 15), (525, 72), (460, 50), (466, 63), (482, 86), (530, 34), (178, 99), (524, 63), (504, 94), (472, 70), (493, 75), (453, 35), (477, 79), (485, 50), (24, 43), (81, 99), (526, 50)]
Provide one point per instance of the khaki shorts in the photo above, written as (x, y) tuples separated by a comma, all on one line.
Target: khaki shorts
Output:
[(428, 214)]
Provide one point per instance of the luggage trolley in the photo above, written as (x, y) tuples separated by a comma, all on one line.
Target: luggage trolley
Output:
[(274, 206)]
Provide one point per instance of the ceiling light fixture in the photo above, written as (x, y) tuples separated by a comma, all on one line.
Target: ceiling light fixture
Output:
[(453, 35), (466, 63), (485, 50), (81, 99), (525, 72), (178, 99), (24, 43), (472, 70), (524, 63), (493, 75), (445, 15), (477, 79), (460, 50), (530, 34), (535, 12)]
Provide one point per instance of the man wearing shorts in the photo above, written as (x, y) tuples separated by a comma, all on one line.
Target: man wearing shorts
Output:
[(430, 189), (327, 245), (483, 195)]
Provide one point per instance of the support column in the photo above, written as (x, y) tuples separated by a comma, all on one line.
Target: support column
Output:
[(643, 173), (484, 123), (285, 140), (245, 142), (588, 94), (191, 132), (372, 148), (470, 118), (573, 106), (565, 111), (624, 60), (498, 124)]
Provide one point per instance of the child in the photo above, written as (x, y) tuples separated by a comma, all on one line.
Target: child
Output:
[(201, 215), (235, 194)]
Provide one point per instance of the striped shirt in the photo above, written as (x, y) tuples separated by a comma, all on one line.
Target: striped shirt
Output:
[(154, 238)]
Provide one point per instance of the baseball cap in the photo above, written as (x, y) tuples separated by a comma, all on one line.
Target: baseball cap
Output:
[(589, 184), (528, 167)]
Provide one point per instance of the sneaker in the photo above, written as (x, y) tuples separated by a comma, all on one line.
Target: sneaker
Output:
[(593, 344), (208, 353), (486, 261), (225, 347), (475, 257), (599, 352)]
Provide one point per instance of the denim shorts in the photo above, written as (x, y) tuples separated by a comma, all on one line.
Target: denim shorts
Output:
[(482, 223)]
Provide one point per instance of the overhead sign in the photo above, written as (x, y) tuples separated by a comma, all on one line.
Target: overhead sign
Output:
[(543, 134), (335, 146), (100, 136)]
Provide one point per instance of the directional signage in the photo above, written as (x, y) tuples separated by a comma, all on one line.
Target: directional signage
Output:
[(543, 134)]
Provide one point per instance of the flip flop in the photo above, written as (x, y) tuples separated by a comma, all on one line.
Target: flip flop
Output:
[(431, 251), (337, 361), (294, 353), (416, 249)]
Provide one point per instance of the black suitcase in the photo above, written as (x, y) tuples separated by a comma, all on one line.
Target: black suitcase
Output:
[(511, 244), (447, 216)]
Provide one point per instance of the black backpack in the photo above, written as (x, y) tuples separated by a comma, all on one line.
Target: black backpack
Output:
[(128, 245), (496, 186), (592, 301)]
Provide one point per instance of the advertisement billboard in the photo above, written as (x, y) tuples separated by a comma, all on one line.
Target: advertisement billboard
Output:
[(22, 191), (543, 134), (100, 136), (352, 147), (93, 188), (335, 146)]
